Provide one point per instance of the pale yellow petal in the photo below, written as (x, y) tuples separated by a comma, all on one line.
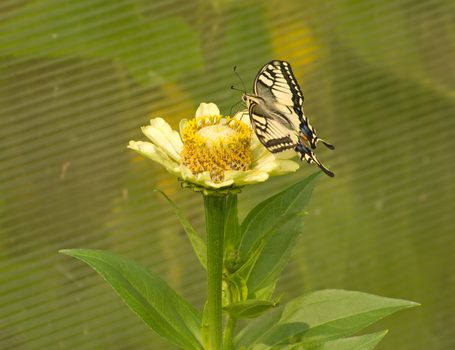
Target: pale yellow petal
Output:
[(225, 183), (207, 109), (186, 174), (248, 177), (147, 149), (284, 166), (203, 179), (288, 154), (266, 162), (162, 136)]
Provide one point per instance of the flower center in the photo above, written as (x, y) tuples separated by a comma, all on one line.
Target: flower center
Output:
[(215, 133), (216, 144)]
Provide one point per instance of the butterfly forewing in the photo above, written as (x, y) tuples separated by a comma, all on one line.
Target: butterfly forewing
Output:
[(277, 81)]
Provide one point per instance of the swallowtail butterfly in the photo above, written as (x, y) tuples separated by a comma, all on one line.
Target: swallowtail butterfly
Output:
[(276, 113)]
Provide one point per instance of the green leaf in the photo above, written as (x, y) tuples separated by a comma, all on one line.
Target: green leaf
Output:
[(270, 231), (197, 242), (251, 334), (362, 342), (250, 308), (320, 316), (265, 293), (158, 305), (263, 218), (274, 257)]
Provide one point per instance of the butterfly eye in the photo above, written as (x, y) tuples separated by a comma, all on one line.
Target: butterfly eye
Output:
[(244, 98)]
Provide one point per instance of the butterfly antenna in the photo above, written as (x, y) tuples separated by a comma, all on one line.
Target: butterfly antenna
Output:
[(240, 78), (234, 88)]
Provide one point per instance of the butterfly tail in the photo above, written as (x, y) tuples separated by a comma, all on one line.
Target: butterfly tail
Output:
[(316, 139), (310, 157), (326, 144)]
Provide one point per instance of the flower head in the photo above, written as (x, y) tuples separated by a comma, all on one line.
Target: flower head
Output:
[(215, 144), (211, 151)]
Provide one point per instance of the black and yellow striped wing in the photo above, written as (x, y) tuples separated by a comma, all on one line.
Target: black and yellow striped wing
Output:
[(276, 113)]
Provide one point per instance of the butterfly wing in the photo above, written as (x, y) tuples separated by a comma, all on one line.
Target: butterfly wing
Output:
[(277, 84), (274, 131), (276, 113), (276, 81)]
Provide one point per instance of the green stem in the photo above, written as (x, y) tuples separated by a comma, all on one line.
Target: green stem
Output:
[(229, 332), (215, 207)]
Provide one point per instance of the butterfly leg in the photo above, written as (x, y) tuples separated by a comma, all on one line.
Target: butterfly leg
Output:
[(310, 157), (242, 114)]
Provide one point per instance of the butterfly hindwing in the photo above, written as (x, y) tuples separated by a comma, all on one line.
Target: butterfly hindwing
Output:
[(274, 133), (307, 154)]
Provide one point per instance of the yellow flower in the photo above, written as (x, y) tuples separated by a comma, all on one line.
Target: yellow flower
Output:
[(212, 151)]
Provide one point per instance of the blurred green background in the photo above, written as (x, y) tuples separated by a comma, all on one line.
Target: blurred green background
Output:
[(77, 80)]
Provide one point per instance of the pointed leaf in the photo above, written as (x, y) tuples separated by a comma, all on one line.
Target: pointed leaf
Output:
[(363, 342), (197, 242), (321, 316), (265, 293), (267, 214), (270, 231), (274, 256), (159, 306), (251, 334)]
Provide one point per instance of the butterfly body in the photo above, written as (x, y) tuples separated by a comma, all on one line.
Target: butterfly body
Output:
[(276, 113)]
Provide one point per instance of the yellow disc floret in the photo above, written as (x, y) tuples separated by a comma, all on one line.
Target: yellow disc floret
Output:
[(216, 144)]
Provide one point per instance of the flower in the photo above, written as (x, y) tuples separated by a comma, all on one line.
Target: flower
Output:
[(212, 151)]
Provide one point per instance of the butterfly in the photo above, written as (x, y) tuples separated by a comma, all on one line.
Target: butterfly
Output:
[(276, 113)]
